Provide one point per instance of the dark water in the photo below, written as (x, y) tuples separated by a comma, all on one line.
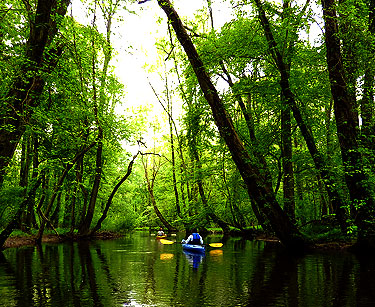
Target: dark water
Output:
[(139, 271)]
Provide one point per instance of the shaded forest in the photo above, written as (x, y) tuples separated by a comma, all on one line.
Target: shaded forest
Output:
[(275, 134)]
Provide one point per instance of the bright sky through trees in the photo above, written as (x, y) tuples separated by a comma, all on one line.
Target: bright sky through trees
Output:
[(134, 36), (136, 59)]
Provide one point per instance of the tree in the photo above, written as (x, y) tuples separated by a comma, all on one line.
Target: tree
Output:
[(110, 198), (362, 202), (257, 186), (150, 182), (36, 60)]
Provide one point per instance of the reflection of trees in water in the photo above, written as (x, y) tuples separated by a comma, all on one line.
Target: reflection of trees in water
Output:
[(23, 278), (203, 278), (150, 287), (236, 267), (339, 278), (51, 275), (12, 288), (311, 280), (193, 279), (274, 270), (176, 275), (85, 275), (35, 271), (88, 273), (114, 286), (365, 281), (71, 272)]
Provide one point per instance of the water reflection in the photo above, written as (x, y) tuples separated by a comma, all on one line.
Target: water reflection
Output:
[(166, 256), (145, 273), (216, 254), (194, 258)]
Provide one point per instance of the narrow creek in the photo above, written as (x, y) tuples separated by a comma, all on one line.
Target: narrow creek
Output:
[(137, 270)]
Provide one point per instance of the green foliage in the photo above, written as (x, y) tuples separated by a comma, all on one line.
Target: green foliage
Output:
[(10, 199), (82, 94)]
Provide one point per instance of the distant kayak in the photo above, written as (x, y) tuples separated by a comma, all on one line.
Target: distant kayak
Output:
[(193, 248), (161, 237)]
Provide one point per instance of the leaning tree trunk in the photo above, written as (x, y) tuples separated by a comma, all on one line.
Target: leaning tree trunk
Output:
[(110, 198), (257, 186), (319, 162), (150, 188), (157, 211), (44, 215), (347, 124), (4, 235)]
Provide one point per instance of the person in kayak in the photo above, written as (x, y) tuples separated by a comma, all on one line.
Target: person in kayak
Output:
[(160, 232), (194, 238)]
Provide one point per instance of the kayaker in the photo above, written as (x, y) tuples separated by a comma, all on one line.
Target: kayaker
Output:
[(160, 232), (194, 238)]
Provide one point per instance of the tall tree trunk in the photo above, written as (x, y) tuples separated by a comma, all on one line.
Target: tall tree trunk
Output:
[(169, 111), (183, 167), (286, 126), (25, 162), (85, 227), (287, 156), (347, 123), (257, 186), (24, 172), (177, 200), (79, 178), (56, 213), (320, 164), (29, 216), (72, 213), (367, 106), (330, 145), (29, 83), (108, 13)]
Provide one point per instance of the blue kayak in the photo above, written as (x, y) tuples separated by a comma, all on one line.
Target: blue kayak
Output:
[(193, 248)]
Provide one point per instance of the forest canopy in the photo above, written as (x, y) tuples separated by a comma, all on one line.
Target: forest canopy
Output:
[(266, 119)]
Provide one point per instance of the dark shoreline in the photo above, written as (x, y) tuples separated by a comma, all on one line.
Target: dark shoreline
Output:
[(25, 240), (30, 240)]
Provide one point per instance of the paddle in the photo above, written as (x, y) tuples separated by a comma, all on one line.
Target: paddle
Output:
[(164, 241)]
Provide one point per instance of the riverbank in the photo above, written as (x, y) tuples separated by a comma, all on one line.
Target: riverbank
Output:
[(30, 240), (17, 241)]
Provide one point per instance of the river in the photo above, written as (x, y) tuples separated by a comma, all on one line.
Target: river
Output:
[(138, 270)]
